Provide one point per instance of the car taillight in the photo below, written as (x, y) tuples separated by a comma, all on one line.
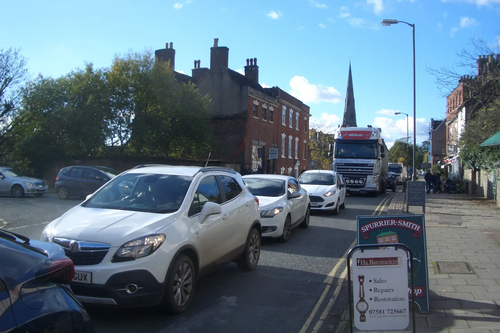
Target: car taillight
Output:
[(59, 271), (57, 178), (256, 200)]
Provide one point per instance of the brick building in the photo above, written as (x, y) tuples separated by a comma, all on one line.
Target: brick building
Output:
[(248, 120)]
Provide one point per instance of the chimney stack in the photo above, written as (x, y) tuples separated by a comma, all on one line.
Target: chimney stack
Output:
[(167, 55), (252, 70), (197, 72), (219, 56)]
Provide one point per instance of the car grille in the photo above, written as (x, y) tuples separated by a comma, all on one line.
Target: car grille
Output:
[(355, 169), (86, 258), (314, 198), (89, 291), (81, 252)]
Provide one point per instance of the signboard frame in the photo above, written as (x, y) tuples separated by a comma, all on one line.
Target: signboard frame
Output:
[(407, 229), (394, 247), (415, 195), (273, 153)]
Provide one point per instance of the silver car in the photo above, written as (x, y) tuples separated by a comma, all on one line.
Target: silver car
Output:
[(14, 184)]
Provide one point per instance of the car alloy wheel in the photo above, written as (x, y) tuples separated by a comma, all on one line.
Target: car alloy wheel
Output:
[(63, 192), (250, 257), (287, 230), (17, 191), (180, 285)]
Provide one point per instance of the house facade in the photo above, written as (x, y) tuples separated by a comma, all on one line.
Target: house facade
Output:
[(265, 129)]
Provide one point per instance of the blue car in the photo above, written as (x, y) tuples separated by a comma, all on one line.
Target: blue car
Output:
[(34, 291)]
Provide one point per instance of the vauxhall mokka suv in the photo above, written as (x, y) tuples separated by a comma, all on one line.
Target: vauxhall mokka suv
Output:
[(147, 235)]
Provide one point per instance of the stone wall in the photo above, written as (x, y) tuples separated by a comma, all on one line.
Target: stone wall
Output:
[(484, 184)]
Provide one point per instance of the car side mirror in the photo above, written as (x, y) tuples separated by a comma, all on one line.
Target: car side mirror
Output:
[(294, 195), (209, 208), (2, 177), (382, 155)]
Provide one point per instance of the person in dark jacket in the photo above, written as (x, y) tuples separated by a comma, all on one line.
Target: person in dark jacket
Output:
[(428, 180)]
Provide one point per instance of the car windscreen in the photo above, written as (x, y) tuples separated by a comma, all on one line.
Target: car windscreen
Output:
[(265, 187), (155, 193), (355, 149), (396, 168), (9, 173), (317, 179)]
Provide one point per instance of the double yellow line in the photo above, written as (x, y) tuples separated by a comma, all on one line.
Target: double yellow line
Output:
[(382, 207)]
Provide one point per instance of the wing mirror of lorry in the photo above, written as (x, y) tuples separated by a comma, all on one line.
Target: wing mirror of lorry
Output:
[(382, 155)]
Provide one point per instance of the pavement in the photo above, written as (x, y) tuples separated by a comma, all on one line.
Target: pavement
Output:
[(463, 256)]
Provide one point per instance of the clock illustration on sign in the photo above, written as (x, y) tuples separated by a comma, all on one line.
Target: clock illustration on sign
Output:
[(362, 305)]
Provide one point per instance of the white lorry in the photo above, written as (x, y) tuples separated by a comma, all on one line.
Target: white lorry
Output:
[(361, 157)]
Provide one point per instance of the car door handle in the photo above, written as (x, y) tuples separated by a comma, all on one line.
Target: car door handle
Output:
[(225, 216), (248, 203)]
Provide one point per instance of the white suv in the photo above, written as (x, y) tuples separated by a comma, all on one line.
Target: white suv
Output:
[(147, 235)]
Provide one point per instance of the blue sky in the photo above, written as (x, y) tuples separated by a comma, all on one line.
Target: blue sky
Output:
[(302, 46)]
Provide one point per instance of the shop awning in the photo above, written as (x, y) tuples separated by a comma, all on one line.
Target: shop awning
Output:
[(492, 141)]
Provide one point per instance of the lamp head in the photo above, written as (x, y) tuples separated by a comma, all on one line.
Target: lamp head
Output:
[(396, 113), (387, 22)]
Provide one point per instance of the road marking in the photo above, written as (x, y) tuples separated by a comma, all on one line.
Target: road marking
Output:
[(2, 223), (24, 226), (329, 280)]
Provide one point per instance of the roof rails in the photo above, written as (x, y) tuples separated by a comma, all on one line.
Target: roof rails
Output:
[(217, 168), (148, 165)]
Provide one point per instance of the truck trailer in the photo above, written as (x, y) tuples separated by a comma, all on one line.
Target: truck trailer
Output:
[(361, 157)]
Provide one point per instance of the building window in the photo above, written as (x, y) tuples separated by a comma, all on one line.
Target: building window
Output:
[(304, 151), (305, 125), (255, 111), (290, 119), (271, 114), (297, 121), (290, 138), (296, 148), (264, 113), (283, 116), (283, 139)]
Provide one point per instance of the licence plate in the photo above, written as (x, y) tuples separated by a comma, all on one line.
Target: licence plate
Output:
[(314, 204), (83, 277), (354, 189)]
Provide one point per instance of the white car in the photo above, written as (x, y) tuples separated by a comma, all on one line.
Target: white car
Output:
[(283, 204), (147, 235), (326, 189)]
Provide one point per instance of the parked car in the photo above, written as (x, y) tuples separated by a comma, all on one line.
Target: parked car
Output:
[(326, 189), (392, 181), (80, 181), (147, 235), (283, 204), (34, 295), (12, 183)]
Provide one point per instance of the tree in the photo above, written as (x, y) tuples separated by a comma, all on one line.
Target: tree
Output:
[(401, 152), (13, 72), (319, 147)]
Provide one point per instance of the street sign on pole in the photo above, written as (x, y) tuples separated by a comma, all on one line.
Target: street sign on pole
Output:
[(273, 153)]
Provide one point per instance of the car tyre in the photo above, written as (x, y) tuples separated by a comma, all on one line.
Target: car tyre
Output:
[(17, 191), (179, 290), (250, 257), (305, 222), (336, 210), (287, 230), (62, 193), (343, 204)]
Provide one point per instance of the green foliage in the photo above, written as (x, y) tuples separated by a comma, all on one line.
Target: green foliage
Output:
[(401, 152), (484, 124), (136, 108), (319, 148)]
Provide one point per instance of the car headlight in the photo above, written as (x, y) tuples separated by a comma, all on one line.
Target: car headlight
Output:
[(329, 193), (47, 231), (271, 212), (29, 184), (139, 248)]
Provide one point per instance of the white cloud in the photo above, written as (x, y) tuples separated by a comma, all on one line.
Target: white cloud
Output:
[(356, 22), (178, 5), (387, 112), (274, 15), (378, 5), (313, 93), (322, 25), (241, 71), (317, 4), (328, 123), (453, 31), (344, 15), (476, 2), (467, 22)]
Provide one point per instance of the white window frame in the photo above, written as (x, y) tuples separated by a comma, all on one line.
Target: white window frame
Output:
[(296, 148), (283, 144), (297, 121), (290, 139), (304, 152), (290, 119), (283, 116)]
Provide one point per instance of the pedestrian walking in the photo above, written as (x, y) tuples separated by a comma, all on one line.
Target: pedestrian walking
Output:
[(428, 177), (435, 180)]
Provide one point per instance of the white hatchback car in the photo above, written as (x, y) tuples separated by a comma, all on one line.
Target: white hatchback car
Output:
[(147, 235), (283, 204), (326, 189)]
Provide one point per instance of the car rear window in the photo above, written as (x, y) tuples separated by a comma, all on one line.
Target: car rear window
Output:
[(265, 187)]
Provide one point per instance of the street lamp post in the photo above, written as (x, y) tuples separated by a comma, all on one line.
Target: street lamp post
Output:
[(387, 22), (407, 137)]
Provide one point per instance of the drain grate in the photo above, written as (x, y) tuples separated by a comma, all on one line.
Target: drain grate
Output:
[(453, 267)]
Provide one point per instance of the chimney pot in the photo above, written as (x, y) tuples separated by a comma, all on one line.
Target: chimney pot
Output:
[(255, 61), (216, 42), (171, 45), (248, 62)]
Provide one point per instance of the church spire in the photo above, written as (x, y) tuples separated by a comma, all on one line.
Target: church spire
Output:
[(349, 109)]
